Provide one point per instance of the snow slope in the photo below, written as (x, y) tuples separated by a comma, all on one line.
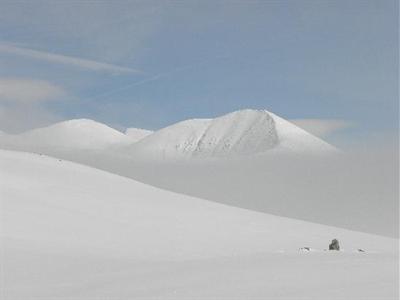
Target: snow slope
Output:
[(73, 231), (244, 132), (41, 195), (137, 134)]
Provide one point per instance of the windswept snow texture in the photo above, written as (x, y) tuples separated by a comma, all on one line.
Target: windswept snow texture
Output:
[(75, 232), (244, 132)]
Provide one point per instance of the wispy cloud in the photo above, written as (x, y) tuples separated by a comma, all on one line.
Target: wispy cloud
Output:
[(18, 118), (16, 90), (65, 60), (322, 127), (144, 81)]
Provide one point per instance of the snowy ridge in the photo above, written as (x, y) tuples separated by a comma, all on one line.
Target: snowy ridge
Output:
[(244, 132), (296, 139)]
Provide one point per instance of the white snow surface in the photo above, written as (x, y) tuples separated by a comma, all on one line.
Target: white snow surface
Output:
[(244, 132), (77, 206), (136, 134), (77, 134), (74, 134), (76, 232)]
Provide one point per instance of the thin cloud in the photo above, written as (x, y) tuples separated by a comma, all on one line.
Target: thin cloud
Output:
[(21, 117), (65, 60), (16, 90), (144, 81), (22, 103), (322, 127)]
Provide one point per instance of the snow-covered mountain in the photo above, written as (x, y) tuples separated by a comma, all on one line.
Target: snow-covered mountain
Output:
[(244, 132), (77, 134)]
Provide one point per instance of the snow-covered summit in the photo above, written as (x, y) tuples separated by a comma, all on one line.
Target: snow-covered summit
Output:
[(243, 132), (76, 134)]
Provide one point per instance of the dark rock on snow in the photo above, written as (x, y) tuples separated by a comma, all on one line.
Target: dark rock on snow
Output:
[(334, 245)]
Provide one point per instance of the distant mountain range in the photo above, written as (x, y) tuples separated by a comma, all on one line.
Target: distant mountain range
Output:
[(244, 132)]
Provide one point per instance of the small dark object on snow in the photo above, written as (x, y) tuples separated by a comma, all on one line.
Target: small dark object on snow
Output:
[(334, 245), (360, 250), (305, 248)]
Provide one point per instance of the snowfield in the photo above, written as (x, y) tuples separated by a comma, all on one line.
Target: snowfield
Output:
[(74, 232), (249, 158)]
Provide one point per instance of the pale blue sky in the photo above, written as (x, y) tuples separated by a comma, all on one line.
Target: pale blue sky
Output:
[(151, 63)]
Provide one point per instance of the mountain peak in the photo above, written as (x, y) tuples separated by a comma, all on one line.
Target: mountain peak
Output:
[(242, 132)]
